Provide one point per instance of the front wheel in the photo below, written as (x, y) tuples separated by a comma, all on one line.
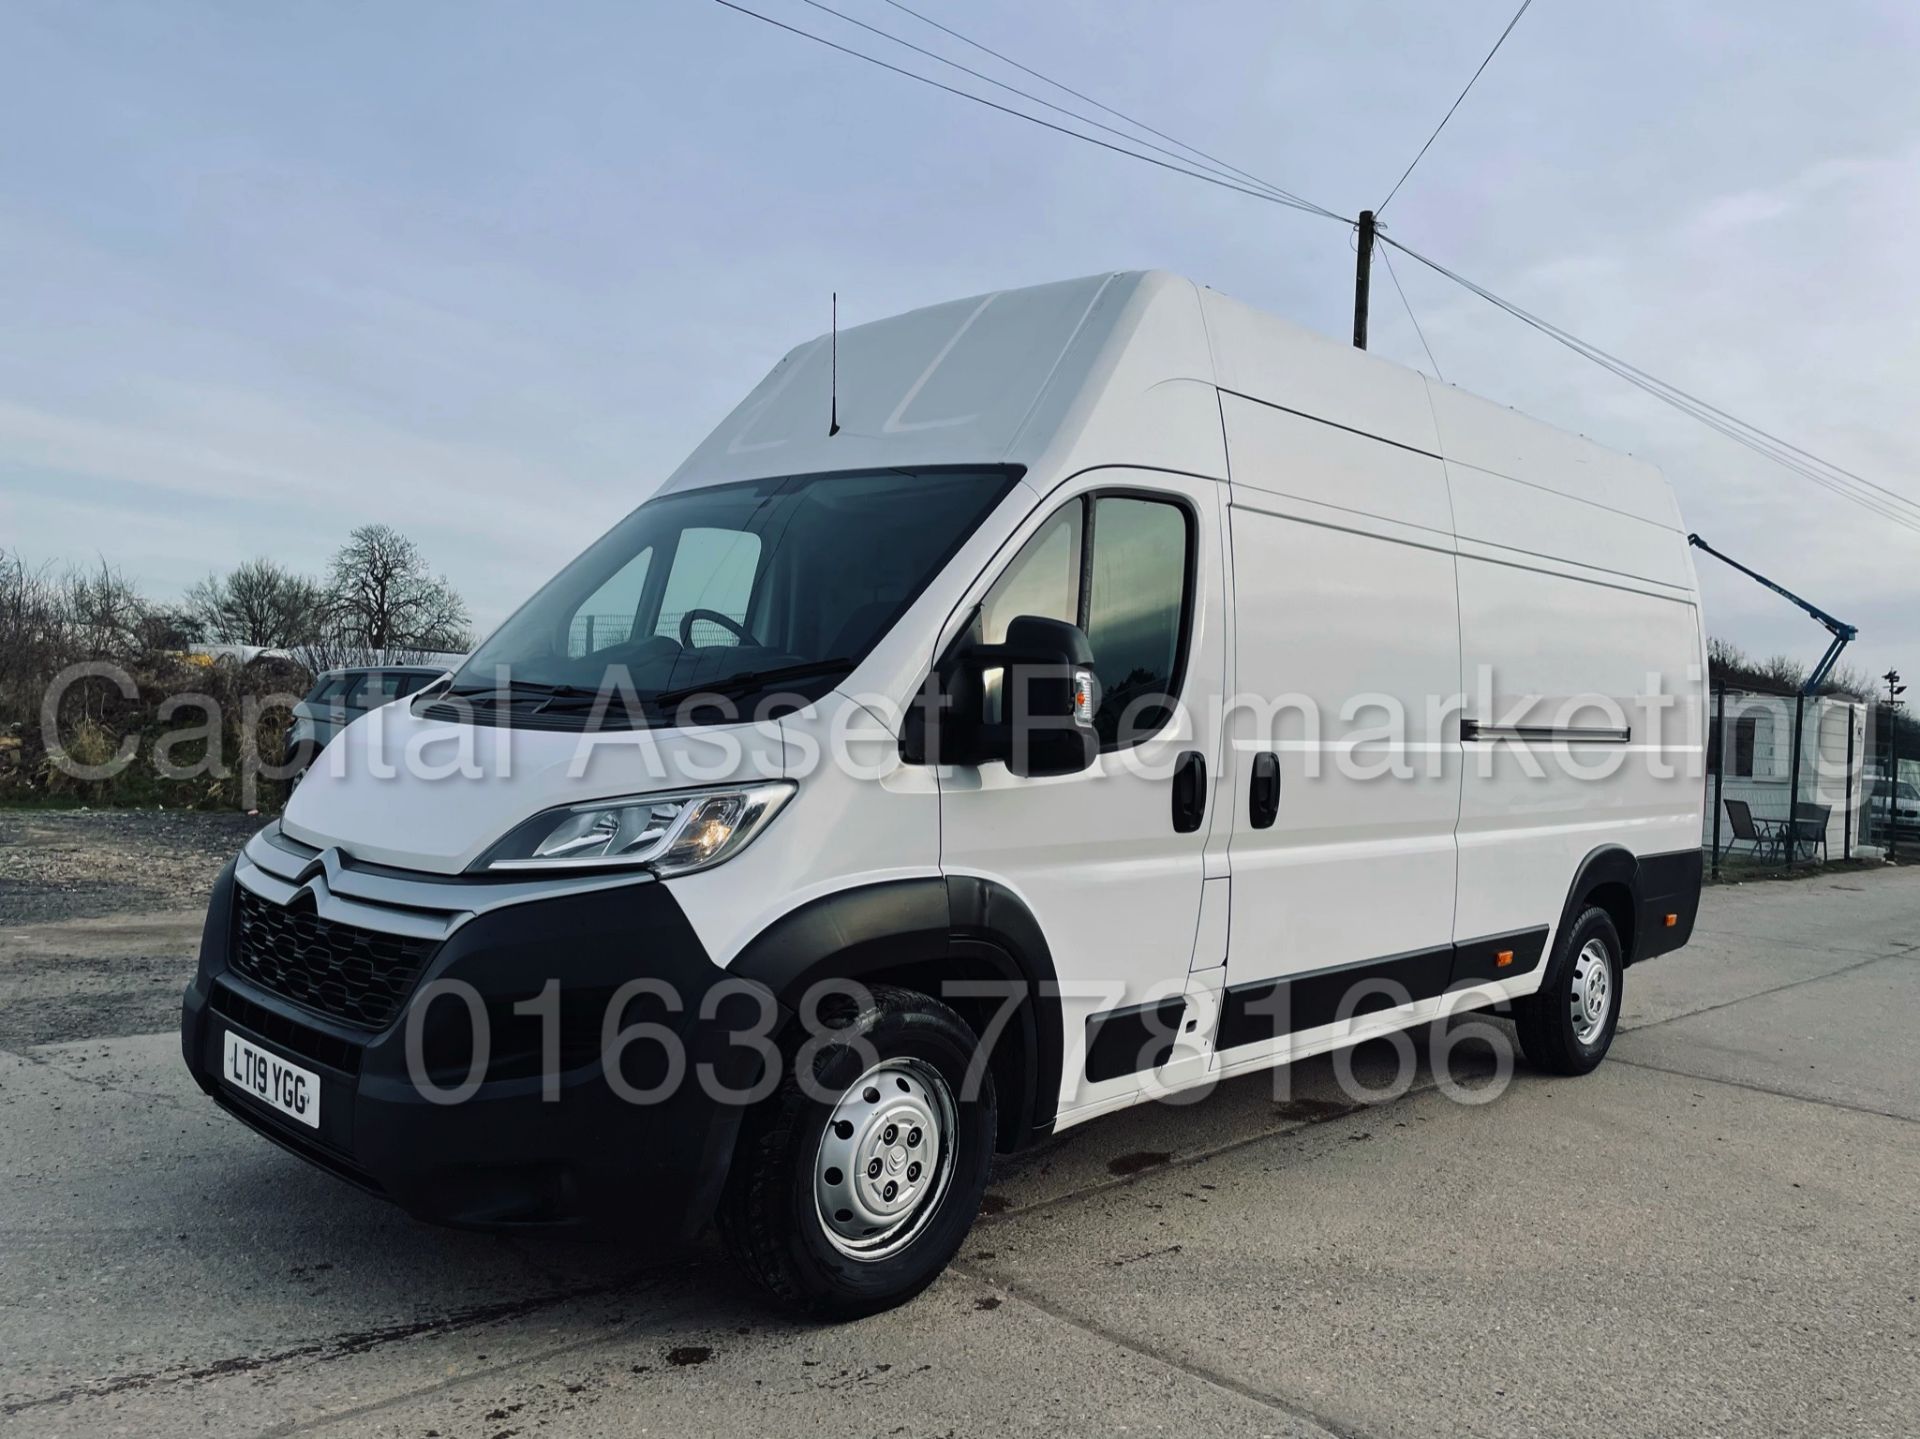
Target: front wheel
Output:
[(1567, 1026), (852, 1198)]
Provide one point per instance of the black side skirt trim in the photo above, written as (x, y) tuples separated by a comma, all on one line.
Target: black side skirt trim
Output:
[(1126, 1041), (1479, 959), (1270, 1008)]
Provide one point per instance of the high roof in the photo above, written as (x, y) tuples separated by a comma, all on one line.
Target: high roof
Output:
[(1122, 369), (1013, 377)]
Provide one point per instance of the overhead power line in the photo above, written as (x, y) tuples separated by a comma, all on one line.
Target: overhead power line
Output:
[(1270, 196), (1877, 499), (935, 56), (1142, 125), (1524, 4), (1387, 260), (1889, 504)]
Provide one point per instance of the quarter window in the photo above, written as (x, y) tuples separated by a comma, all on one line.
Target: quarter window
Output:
[(606, 616), (1043, 580)]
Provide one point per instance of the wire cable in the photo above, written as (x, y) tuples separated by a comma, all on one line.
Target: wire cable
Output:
[(1039, 100), (1787, 453), (1524, 5), (1877, 499), (1718, 420), (1270, 197), (1108, 109), (1387, 260)]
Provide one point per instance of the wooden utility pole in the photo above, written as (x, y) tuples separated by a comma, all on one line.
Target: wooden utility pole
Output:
[(1362, 280)]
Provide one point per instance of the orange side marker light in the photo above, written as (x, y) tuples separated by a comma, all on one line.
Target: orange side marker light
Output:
[(1672, 920), (1503, 959)]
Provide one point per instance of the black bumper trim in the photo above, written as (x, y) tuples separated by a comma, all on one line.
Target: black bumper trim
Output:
[(318, 1155), (1668, 884), (509, 1156)]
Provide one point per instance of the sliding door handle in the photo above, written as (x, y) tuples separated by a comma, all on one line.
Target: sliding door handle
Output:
[(1189, 792), (1263, 798)]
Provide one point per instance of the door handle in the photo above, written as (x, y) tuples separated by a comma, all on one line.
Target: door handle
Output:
[(1263, 799), (1189, 792)]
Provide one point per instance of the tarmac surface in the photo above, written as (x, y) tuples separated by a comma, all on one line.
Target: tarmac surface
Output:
[(1715, 1233)]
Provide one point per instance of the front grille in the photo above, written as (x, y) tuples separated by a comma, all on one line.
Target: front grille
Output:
[(358, 976), (301, 1040)]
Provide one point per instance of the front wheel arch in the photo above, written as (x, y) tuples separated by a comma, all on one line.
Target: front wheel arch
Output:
[(920, 934)]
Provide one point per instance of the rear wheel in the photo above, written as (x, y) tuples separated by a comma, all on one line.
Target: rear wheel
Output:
[(1567, 1026), (853, 1198)]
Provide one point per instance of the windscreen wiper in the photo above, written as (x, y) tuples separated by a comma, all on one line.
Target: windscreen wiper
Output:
[(748, 680), (530, 688)]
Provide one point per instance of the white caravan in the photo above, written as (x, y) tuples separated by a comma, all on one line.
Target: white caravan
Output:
[(1015, 710)]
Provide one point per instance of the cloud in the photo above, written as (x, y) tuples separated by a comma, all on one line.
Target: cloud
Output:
[(264, 279), (1737, 298)]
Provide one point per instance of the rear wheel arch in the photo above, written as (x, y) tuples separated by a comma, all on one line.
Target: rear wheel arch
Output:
[(1609, 878)]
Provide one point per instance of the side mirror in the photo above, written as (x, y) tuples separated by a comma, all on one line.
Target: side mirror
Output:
[(1047, 701)]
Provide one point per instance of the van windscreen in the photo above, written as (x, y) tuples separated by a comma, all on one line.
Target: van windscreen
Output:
[(703, 588)]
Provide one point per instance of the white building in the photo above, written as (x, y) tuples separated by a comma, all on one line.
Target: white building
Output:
[(1755, 742)]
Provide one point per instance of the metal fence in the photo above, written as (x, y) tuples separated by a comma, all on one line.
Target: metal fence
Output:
[(592, 632), (1801, 779)]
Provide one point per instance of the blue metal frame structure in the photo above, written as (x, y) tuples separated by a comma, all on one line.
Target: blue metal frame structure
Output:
[(1841, 631)]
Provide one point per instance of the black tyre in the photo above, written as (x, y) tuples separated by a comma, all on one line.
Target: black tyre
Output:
[(852, 1198), (1567, 1026)]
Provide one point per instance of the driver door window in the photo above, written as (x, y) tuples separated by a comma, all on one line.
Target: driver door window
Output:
[(1126, 580), (712, 570)]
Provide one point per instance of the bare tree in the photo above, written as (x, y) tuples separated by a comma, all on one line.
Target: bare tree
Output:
[(1784, 672), (257, 603), (1726, 655), (104, 609), (37, 636), (1850, 681), (382, 602)]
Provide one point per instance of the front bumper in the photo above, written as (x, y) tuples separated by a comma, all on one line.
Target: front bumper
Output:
[(545, 1137)]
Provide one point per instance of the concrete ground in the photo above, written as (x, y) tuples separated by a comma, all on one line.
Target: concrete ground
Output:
[(1713, 1234)]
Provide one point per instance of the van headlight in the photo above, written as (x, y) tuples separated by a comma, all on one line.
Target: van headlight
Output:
[(672, 833)]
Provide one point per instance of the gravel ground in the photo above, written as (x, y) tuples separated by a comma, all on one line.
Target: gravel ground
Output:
[(100, 915), (59, 865)]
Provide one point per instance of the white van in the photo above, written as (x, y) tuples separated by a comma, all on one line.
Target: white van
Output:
[(1015, 710)]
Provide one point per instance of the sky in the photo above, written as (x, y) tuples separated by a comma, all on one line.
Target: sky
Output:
[(488, 271)]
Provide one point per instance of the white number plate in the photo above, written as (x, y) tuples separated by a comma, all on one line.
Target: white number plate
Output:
[(293, 1091)]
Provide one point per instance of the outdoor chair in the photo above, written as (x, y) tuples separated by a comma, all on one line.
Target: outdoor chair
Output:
[(1760, 841), (1810, 828)]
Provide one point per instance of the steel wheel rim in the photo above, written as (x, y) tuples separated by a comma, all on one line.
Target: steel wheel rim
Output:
[(1591, 1001), (886, 1158)]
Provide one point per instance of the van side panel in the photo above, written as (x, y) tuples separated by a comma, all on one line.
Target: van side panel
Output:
[(1577, 589), (1500, 441), (1545, 647), (1279, 452), (1345, 626), (1526, 519), (1264, 358)]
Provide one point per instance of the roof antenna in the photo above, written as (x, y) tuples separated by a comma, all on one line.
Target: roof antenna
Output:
[(833, 393)]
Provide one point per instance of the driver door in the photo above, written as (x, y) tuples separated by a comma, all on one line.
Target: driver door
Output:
[(1111, 861)]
